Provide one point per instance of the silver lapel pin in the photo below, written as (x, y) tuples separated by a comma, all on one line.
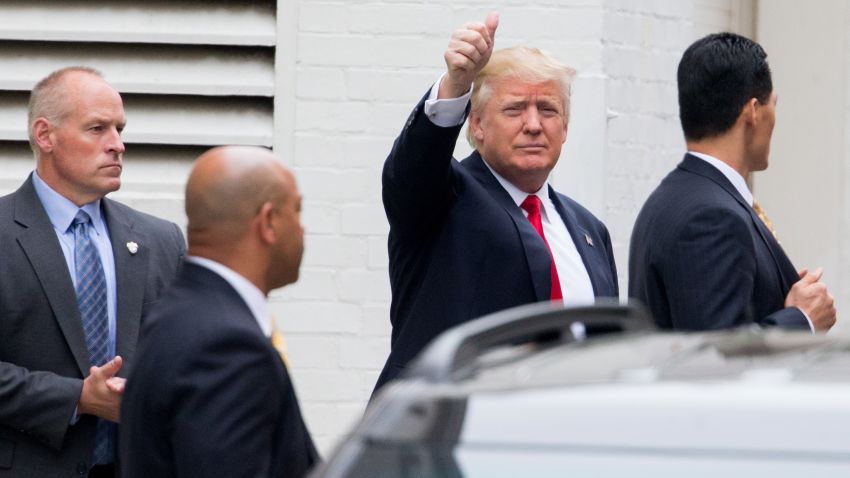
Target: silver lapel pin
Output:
[(132, 247), (589, 240)]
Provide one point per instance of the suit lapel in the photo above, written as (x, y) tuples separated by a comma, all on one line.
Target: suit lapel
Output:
[(783, 264), (786, 269), (536, 254), (203, 278), (41, 246), (580, 237), (130, 272)]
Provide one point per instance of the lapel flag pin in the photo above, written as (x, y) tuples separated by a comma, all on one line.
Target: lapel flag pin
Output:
[(589, 240), (132, 247)]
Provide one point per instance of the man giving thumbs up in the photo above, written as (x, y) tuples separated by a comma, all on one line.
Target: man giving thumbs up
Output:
[(472, 237)]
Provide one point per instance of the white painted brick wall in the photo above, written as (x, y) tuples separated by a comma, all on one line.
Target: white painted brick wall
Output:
[(645, 40), (361, 67)]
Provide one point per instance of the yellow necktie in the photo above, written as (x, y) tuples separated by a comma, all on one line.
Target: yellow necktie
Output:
[(279, 344), (761, 214)]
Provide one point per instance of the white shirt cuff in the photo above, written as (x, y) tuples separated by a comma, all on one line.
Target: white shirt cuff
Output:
[(811, 325), (446, 112)]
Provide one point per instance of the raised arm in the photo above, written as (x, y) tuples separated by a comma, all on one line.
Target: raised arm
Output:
[(417, 186)]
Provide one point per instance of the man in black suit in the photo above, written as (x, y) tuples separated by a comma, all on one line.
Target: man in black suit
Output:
[(703, 256), (78, 273), (210, 394), (473, 237)]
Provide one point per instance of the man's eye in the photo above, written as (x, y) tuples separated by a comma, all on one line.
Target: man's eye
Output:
[(96, 129)]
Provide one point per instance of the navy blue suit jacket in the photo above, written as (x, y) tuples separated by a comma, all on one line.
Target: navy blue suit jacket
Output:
[(209, 395), (702, 259), (459, 246)]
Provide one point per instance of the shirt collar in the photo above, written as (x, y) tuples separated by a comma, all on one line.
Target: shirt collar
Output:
[(61, 211), (519, 195), (253, 297), (733, 176)]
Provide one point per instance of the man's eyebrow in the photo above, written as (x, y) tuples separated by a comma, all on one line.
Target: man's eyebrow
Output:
[(517, 101), (96, 118), (104, 119), (547, 100)]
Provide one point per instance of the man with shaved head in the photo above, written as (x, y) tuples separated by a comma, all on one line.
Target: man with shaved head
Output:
[(210, 395), (78, 273)]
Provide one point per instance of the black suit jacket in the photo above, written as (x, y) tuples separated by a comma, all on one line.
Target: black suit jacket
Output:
[(702, 259), (43, 355), (210, 395), (460, 248)]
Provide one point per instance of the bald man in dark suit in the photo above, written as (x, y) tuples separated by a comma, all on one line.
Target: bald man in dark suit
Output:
[(210, 395)]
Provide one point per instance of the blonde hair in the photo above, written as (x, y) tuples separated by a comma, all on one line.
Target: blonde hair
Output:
[(48, 99), (525, 64)]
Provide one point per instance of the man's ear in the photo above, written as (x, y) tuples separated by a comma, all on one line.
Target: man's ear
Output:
[(749, 112), (42, 134), (475, 125), (264, 220)]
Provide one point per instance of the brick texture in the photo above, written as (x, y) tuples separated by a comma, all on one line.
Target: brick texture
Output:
[(362, 65)]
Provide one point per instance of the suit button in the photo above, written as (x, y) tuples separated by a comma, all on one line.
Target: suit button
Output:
[(82, 468)]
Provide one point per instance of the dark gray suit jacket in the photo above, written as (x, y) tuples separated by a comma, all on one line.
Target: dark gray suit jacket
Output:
[(701, 258), (43, 355)]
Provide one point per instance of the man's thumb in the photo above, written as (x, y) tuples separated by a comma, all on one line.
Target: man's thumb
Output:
[(113, 366), (492, 22)]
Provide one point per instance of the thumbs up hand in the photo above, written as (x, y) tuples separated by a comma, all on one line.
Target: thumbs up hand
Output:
[(469, 50)]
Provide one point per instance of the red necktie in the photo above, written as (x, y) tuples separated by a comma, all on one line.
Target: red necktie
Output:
[(531, 205)]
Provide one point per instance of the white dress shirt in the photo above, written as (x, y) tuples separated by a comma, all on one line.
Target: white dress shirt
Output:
[(253, 297), (447, 112), (576, 287)]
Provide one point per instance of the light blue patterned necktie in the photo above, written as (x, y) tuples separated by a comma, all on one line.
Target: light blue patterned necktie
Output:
[(91, 298)]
